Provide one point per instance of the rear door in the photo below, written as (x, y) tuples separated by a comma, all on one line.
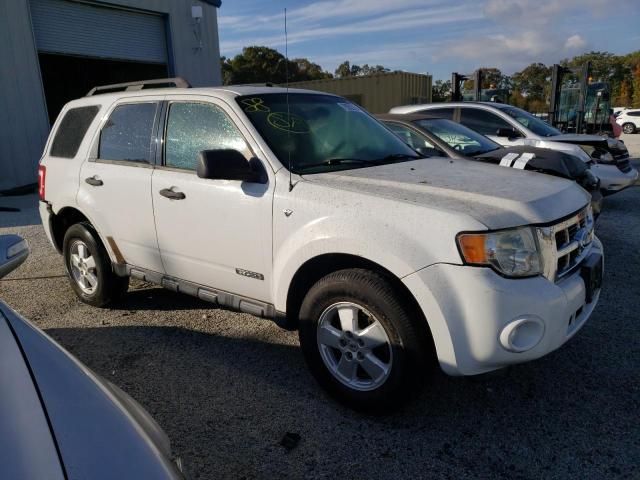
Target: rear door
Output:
[(218, 234), (115, 182)]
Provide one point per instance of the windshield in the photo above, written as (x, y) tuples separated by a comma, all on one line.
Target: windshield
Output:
[(457, 136), (537, 126), (322, 133)]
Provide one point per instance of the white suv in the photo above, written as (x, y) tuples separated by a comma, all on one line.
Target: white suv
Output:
[(299, 206), (629, 120)]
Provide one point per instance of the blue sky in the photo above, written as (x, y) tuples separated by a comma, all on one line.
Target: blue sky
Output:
[(432, 36)]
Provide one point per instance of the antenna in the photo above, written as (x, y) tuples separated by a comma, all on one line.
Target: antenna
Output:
[(286, 74)]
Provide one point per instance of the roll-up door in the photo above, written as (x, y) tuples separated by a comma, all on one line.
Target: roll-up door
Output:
[(82, 29)]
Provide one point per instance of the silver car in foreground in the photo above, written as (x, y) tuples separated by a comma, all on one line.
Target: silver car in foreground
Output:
[(58, 419)]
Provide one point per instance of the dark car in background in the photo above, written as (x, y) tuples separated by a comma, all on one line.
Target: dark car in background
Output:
[(60, 420), (433, 136)]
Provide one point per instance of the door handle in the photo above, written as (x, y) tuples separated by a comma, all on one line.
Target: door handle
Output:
[(94, 181), (171, 194)]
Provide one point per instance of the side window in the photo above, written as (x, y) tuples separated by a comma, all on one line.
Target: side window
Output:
[(634, 114), (72, 130), (409, 137), (193, 127), (440, 112), (482, 121), (127, 134)]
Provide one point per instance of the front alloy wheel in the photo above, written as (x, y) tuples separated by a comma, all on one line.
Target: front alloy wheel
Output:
[(362, 340), (354, 346)]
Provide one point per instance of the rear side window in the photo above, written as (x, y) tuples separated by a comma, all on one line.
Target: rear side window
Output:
[(127, 134), (440, 112), (482, 121), (72, 129)]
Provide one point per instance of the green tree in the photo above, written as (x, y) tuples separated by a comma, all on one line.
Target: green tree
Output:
[(346, 69), (441, 91), (265, 65), (533, 82)]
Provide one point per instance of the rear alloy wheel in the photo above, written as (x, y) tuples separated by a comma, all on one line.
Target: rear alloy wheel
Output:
[(83, 267), (89, 267), (361, 339), (629, 128)]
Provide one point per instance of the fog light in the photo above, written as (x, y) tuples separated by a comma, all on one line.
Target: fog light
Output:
[(522, 334)]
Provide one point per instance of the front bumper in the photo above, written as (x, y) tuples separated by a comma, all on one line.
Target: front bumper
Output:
[(471, 309), (613, 180)]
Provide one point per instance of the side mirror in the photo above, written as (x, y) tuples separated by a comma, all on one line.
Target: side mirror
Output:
[(13, 251), (508, 132), (229, 164)]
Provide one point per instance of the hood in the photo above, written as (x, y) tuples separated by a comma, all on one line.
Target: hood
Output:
[(95, 424), (551, 162), (497, 197), (602, 142), (28, 448)]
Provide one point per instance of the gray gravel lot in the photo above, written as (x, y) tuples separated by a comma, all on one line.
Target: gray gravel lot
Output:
[(226, 386)]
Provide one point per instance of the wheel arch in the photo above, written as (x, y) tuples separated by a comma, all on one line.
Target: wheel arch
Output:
[(68, 216), (321, 265)]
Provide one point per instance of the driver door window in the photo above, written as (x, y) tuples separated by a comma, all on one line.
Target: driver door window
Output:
[(193, 127)]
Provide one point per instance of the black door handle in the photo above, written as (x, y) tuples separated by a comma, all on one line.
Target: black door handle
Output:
[(169, 193), (94, 181)]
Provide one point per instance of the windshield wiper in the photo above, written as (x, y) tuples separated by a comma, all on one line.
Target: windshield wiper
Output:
[(339, 161), (400, 156)]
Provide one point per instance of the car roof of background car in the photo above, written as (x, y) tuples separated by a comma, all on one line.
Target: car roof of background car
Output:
[(418, 107), (409, 117)]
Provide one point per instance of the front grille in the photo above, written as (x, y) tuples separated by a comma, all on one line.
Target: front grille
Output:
[(566, 244)]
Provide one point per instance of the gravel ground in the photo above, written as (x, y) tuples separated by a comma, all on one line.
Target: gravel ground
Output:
[(227, 387)]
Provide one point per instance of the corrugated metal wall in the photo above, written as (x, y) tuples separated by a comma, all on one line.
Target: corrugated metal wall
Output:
[(377, 93), (24, 124)]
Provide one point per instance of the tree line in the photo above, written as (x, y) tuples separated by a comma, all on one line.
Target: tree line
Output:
[(265, 65), (529, 88)]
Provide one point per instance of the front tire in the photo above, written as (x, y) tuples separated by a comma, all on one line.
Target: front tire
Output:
[(629, 128), (360, 340), (89, 267)]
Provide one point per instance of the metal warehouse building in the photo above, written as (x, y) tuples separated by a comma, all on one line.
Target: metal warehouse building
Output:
[(52, 51), (378, 92)]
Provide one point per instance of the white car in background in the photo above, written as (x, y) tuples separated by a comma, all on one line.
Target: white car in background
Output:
[(629, 120), (512, 126)]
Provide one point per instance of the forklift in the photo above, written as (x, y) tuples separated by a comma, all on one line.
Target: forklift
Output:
[(478, 94), (577, 104)]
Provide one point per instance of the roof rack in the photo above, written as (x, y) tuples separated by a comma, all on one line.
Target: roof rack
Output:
[(177, 82)]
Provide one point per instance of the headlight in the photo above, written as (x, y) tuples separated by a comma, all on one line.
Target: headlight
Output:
[(513, 253)]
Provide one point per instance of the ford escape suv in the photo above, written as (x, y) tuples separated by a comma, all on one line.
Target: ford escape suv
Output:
[(300, 206)]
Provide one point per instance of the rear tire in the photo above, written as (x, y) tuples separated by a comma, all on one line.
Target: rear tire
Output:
[(629, 128), (89, 267), (361, 341)]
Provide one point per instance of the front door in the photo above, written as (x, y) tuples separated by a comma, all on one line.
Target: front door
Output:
[(215, 233), (115, 184)]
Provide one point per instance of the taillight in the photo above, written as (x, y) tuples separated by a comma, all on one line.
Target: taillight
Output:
[(42, 173)]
